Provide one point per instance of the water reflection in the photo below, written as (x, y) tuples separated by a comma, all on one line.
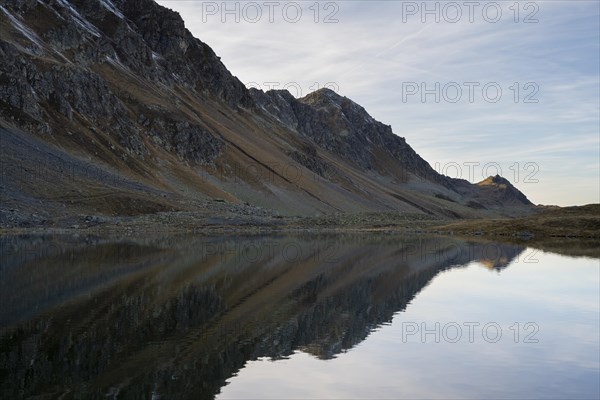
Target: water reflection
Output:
[(176, 317)]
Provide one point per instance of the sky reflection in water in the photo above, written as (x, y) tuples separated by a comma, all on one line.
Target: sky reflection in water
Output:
[(343, 316), (558, 295)]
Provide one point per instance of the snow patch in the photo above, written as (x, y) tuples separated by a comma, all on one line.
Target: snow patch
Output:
[(111, 7), (23, 30), (82, 22), (116, 62)]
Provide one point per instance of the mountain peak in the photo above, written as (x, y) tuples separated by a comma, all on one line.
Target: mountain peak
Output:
[(506, 190), (325, 97), (324, 92), (495, 180)]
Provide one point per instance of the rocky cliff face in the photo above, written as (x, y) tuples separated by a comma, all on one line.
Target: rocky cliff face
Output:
[(123, 86), (148, 39), (56, 55), (343, 127)]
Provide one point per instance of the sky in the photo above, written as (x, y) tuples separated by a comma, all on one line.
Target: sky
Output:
[(475, 87)]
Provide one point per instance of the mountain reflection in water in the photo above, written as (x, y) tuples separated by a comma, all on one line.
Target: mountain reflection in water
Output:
[(176, 317)]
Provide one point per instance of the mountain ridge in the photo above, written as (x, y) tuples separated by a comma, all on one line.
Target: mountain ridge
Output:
[(124, 86)]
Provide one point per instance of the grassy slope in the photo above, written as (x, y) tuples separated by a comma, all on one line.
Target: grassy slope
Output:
[(570, 222), (573, 231)]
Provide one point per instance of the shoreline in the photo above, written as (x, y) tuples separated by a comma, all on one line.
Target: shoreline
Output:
[(570, 222)]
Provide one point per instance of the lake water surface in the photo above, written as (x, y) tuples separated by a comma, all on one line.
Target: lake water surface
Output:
[(295, 316)]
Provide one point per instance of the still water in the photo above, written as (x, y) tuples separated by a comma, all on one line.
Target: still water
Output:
[(328, 316)]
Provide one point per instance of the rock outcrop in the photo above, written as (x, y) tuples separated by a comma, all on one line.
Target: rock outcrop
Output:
[(503, 190), (343, 127)]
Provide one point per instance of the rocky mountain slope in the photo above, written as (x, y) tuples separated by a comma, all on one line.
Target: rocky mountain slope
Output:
[(113, 108)]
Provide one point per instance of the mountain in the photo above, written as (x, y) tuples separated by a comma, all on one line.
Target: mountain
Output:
[(342, 127), (112, 108)]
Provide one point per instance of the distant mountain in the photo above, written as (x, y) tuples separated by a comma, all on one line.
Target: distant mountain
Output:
[(503, 190), (113, 108)]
